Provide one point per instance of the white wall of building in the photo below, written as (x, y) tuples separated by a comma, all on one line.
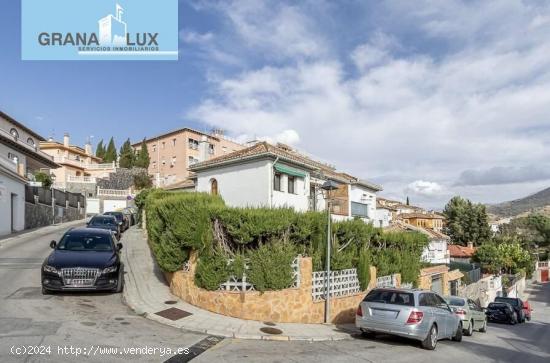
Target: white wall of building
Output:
[(299, 200), (436, 252), (8, 186), (360, 194), (383, 217), (240, 185)]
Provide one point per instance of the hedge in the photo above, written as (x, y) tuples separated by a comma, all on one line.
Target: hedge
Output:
[(268, 239)]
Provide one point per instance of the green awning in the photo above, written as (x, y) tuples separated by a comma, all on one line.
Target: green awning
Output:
[(289, 171)]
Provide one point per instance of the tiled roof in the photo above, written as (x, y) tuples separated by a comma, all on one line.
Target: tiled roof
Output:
[(283, 154), (186, 184), (455, 275), (461, 251), (434, 270), (402, 226)]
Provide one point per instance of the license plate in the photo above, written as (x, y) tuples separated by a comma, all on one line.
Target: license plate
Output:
[(388, 314)]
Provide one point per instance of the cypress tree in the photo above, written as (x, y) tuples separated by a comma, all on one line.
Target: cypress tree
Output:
[(143, 160), (100, 150), (127, 157), (110, 153), (408, 200)]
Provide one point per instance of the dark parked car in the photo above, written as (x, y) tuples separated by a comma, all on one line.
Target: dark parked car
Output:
[(121, 218), (516, 304), (501, 312), (128, 214), (105, 222), (84, 259)]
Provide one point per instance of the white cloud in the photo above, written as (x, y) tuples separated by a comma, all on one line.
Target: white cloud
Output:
[(190, 36), (423, 187), (419, 117)]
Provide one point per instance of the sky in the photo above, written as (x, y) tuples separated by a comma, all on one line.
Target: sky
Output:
[(430, 99)]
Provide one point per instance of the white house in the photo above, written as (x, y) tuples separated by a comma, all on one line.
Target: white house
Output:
[(437, 250), (265, 175), (20, 158)]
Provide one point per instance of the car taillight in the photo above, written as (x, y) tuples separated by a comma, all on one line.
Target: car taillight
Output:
[(460, 312), (415, 317), (359, 311)]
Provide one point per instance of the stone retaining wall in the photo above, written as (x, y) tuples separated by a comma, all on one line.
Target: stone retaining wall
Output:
[(40, 215), (293, 305)]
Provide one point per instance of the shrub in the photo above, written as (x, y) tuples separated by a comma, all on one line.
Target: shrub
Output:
[(363, 268), (270, 266), (212, 270)]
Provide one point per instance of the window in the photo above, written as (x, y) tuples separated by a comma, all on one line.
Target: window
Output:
[(193, 160), (291, 184), (173, 161), (30, 141), (390, 297), (173, 142), (163, 162), (359, 210), (163, 144), (277, 182), (154, 164), (193, 144), (14, 133), (211, 149), (13, 158), (154, 148)]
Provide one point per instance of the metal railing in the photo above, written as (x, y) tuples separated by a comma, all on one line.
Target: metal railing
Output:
[(342, 283)]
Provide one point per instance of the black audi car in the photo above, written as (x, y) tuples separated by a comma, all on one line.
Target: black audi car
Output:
[(84, 259), (501, 312), (105, 222)]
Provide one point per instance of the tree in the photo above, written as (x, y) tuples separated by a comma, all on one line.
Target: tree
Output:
[(44, 178), (466, 222), (127, 156), (408, 200), (142, 181), (100, 150), (143, 160), (504, 255), (110, 153)]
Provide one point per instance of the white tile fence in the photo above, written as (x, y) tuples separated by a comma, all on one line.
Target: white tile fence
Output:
[(386, 281), (240, 284), (114, 192), (342, 283)]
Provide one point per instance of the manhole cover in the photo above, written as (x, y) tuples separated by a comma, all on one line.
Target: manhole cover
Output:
[(269, 323), (173, 314), (170, 302), (273, 331)]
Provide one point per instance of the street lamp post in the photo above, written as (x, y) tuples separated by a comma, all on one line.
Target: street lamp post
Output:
[(328, 186)]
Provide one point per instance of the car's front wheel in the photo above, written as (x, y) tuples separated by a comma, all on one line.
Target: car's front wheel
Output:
[(46, 291), (431, 339)]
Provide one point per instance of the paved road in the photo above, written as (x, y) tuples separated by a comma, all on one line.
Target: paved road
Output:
[(64, 320), (522, 343), (85, 320)]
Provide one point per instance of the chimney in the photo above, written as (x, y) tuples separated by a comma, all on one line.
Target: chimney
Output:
[(66, 139), (470, 244), (203, 148), (88, 148)]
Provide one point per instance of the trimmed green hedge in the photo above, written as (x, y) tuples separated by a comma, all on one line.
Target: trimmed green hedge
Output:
[(268, 239)]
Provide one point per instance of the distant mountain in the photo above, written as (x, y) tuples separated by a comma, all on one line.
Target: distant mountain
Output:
[(538, 202)]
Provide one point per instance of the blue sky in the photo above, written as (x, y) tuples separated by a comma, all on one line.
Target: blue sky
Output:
[(430, 99)]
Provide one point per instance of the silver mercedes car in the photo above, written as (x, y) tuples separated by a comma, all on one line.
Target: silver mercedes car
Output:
[(416, 314)]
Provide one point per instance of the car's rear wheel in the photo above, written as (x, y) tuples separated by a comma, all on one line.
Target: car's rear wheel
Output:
[(484, 327), (458, 334), (431, 340), (468, 332)]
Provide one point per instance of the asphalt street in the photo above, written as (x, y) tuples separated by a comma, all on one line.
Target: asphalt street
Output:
[(70, 327)]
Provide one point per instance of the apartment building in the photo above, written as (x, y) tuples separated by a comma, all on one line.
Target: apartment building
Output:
[(20, 158), (78, 166), (173, 152)]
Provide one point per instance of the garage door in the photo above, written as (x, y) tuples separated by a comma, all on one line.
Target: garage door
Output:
[(92, 206), (437, 284), (544, 275), (112, 205)]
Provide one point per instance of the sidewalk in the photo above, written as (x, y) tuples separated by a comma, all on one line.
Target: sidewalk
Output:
[(39, 231), (146, 292)]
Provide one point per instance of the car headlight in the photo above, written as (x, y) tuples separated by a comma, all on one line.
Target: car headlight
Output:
[(48, 268), (110, 269)]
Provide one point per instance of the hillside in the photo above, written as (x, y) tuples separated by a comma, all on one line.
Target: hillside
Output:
[(538, 202)]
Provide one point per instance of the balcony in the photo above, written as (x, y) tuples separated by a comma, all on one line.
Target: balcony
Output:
[(8, 164), (114, 192), (83, 165), (81, 179)]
